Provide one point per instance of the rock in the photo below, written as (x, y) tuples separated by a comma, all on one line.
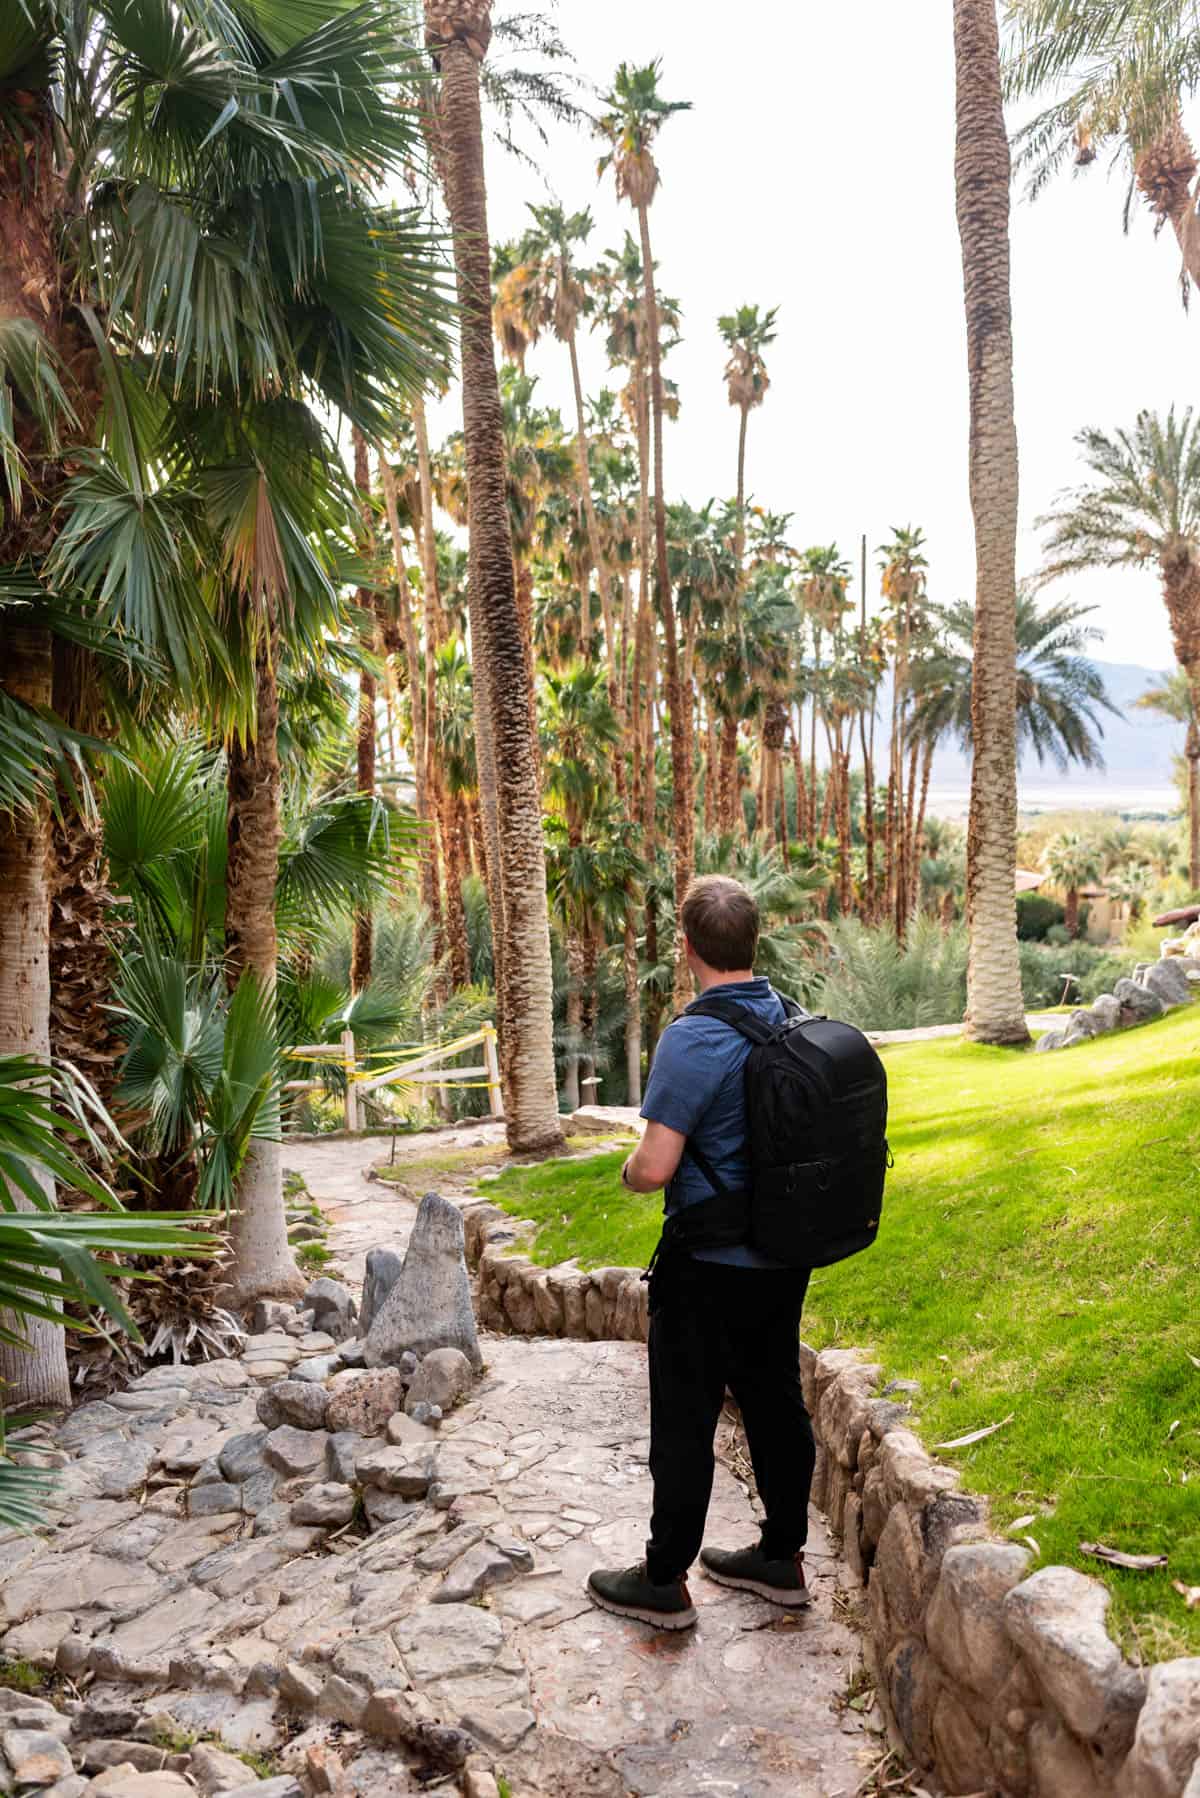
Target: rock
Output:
[(429, 1307), (448, 1641), (445, 1549), (294, 1401), (145, 1757), (481, 1568), (405, 1472), (964, 1625), (318, 1368), (36, 1757), (363, 1401), (427, 1416), (67, 1788), (479, 1783), (350, 1352), (300, 1686), (403, 1429), (283, 1786), (332, 1306), (1106, 1010), (1138, 1004), (1166, 1743), (242, 1456), (328, 1505), (1050, 1039), (213, 1499), (259, 1491), (271, 1314), (443, 1378), (323, 1769), (1168, 982), (291, 1451), (383, 1270), (502, 1730), (127, 1782), (21, 1710), (1081, 1026), (1060, 1766), (215, 1770), (341, 1454), (1056, 1618)]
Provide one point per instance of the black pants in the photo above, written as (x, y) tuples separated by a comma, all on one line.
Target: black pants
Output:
[(713, 1326)]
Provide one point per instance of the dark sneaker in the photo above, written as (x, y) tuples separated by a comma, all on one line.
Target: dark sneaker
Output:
[(749, 1570), (631, 1594)]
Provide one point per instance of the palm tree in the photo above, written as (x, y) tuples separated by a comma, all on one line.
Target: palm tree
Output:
[(903, 578), (144, 523), (1060, 691), (1120, 75), (635, 113), (1175, 698), (1140, 509), (746, 336), (982, 169), (458, 33), (1071, 862)]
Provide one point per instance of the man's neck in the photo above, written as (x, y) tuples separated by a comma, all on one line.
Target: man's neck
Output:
[(719, 977)]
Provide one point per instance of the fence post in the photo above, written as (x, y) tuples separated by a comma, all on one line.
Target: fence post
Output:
[(492, 1062), (348, 1060)]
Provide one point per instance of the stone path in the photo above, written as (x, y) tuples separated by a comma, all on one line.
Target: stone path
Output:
[(211, 1578)]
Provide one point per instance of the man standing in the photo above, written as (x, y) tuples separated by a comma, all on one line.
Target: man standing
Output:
[(719, 1315)]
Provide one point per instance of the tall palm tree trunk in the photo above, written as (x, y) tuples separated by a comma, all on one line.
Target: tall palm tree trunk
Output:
[(1192, 753), (712, 756), (595, 542), (38, 1374), (458, 33), (919, 833), (739, 539), (868, 905), (802, 825), (633, 1010), (679, 702), (727, 789), (982, 173), (363, 935), (262, 1258)]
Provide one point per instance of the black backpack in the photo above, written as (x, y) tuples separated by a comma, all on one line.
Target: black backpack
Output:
[(816, 1123)]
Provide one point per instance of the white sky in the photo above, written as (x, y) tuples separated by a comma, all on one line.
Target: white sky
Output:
[(815, 172)]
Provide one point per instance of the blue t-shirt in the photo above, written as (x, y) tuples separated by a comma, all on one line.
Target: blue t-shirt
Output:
[(695, 1087)]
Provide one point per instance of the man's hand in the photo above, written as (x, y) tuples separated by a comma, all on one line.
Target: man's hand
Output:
[(655, 1159)]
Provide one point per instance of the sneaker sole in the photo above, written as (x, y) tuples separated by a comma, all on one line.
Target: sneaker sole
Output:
[(789, 1601), (656, 1619)]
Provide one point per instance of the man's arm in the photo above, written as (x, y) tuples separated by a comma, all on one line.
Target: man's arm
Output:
[(655, 1159)]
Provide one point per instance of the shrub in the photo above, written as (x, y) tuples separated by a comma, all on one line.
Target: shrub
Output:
[(1044, 965), (879, 984), (1036, 915)]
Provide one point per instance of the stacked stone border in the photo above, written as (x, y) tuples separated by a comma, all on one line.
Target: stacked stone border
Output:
[(993, 1678)]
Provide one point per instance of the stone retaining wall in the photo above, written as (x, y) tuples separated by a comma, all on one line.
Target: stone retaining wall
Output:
[(520, 1298), (995, 1679)]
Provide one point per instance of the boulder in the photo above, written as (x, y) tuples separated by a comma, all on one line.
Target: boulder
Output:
[(1057, 1619), (243, 1456), (37, 1757), (215, 1769), (443, 1378), (404, 1472), (964, 1625), (329, 1505), (361, 1400), (1138, 1004), (341, 1453), (383, 1270), (1168, 981), (1050, 1039), (1106, 1011), (1081, 1024), (1166, 1744), (291, 1451), (429, 1307), (271, 1314), (298, 1402), (332, 1306)]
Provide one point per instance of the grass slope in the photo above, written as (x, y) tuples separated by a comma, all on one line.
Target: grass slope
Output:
[(1040, 1248)]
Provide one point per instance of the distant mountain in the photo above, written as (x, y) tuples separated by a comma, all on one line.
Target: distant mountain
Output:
[(1137, 746)]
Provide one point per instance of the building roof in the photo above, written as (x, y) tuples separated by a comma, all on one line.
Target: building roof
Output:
[(1028, 880)]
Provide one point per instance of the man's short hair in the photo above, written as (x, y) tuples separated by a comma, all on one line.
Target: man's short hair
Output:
[(721, 921)]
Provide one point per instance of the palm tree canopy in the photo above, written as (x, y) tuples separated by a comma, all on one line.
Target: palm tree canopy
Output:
[(1141, 505), (1060, 691), (1171, 698), (1071, 860), (746, 335), (635, 114)]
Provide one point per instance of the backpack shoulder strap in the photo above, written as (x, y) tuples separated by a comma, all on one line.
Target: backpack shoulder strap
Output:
[(728, 1011)]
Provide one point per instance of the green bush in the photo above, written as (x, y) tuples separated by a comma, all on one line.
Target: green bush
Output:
[(1036, 915), (1043, 966), (880, 985)]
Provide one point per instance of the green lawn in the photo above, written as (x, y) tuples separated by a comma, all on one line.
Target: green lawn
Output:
[(1041, 1248)]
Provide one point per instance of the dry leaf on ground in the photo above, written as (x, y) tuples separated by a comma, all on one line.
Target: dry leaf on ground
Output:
[(976, 1435), (1116, 1557), (1189, 1594)]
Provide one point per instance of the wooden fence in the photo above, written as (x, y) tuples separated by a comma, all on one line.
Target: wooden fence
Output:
[(423, 1069)]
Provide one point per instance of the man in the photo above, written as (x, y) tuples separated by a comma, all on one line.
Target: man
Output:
[(719, 1316)]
